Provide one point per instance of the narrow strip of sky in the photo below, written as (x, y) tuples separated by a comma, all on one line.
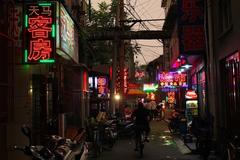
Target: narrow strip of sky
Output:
[(144, 9)]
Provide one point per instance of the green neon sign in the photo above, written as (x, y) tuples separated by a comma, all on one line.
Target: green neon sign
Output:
[(44, 4), (47, 60), (53, 30), (26, 21), (150, 87), (25, 56)]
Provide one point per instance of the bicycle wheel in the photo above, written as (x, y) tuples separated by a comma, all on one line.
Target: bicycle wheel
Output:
[(141, 150), (171, 127), (141, 145)]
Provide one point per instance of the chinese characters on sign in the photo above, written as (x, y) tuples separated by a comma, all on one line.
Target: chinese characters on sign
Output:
[(191, 29), (17, 25), (169, 79), (193, 38), (39, 32), (171, 97), (125, 80), (67, 43), (191, 11)]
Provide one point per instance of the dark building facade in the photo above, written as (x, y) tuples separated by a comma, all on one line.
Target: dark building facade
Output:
[(223, 64), (215, 70), (49, 97)]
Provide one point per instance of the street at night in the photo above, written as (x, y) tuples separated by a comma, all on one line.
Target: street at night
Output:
[(119, 79), (162, 145)]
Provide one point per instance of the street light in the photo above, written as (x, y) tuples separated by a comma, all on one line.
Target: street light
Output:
[(117, 97)]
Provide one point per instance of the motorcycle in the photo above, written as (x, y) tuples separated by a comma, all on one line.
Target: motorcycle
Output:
[(58, 148), (37, 152)]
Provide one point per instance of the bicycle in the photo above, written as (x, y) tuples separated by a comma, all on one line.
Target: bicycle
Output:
[(140, 140), (233, 149)]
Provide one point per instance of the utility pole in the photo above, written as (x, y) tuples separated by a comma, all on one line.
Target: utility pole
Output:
[(118, 48), (114, 64), (121, 52)]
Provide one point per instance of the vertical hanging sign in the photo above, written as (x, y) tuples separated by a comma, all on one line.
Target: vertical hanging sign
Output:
[(191, 26), (39, 32)]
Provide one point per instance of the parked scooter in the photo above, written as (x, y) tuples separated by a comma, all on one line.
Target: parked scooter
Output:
[(126, 128), (110, 132), (58, 148), (37, 152)]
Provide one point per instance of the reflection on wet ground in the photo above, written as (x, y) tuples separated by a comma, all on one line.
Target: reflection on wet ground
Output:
[(162, 146)]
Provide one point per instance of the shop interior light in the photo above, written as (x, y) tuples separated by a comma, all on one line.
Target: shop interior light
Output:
[(180, 70), (181, 64), (187, 66)]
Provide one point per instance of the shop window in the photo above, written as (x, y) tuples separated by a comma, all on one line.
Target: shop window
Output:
[(224, 16)]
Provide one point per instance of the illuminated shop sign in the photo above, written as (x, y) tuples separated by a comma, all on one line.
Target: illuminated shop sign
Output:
[(67, 35), (191, 94), (102, 85), (125, 80), (15, 28), (92, 82), (171, 97), (39, 32), (151, 96), (139, 74), (167, 79), (150, 87), (169, 89)]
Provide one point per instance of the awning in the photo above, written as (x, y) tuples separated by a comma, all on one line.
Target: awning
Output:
[(136, 93)]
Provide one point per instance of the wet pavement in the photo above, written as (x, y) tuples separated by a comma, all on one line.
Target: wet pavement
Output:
[(162, 146)]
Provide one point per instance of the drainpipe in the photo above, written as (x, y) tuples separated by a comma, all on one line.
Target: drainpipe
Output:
[(211, 65)]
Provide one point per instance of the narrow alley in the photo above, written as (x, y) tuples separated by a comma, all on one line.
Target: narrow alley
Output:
[(162, 146)]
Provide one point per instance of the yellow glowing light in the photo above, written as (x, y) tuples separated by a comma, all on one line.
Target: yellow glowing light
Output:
[(117, 97)]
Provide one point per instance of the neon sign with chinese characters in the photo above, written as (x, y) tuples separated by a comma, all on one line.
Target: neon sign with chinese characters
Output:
[(167, 79), (171, 97), (39, 32)]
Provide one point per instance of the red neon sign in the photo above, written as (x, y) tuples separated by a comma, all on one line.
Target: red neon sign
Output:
[(171, 97), (191, 94), (172, 79), (39, 32)]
